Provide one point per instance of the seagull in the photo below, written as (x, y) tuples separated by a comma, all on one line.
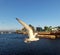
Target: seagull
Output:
[(31, 34)]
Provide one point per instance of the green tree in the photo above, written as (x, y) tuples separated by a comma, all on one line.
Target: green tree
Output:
[(50, 28), (46, 28), (18, 31), (58, 27), (32, 27), (24, 29), (39, 29)]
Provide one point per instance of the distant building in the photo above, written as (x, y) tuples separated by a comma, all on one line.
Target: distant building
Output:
[(1, 32), (54, 29), (7, 32), (38, 29)]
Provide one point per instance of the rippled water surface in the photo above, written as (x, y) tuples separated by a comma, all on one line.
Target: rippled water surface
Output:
[(13, 44)]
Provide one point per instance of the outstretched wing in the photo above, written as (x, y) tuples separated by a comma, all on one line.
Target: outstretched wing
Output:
[(30, 31)]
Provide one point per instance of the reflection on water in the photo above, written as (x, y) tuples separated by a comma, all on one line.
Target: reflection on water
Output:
[(13, 44)]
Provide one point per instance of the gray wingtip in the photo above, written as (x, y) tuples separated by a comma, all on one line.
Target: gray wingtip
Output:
[(17, 19)]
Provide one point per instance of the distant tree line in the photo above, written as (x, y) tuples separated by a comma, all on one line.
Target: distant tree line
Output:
[(39, 29), (23, 29), (48, 28)]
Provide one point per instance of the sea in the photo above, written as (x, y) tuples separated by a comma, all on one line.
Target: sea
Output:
[(13, 44)]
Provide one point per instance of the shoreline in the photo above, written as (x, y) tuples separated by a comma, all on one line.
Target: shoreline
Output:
[(51, 35)]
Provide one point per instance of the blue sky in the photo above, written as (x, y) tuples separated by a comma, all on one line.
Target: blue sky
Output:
[(35, 12)]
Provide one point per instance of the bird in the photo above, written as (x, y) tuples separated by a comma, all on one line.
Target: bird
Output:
[(31, 34)]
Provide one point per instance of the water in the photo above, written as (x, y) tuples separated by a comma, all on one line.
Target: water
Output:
[(13, 44)]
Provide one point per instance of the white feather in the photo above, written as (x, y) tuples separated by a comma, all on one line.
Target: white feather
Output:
[(29, 31)]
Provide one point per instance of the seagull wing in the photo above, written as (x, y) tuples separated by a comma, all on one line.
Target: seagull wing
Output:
[(28, 28)]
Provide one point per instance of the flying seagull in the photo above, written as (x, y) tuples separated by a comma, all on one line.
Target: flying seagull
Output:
[(31, 34)]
